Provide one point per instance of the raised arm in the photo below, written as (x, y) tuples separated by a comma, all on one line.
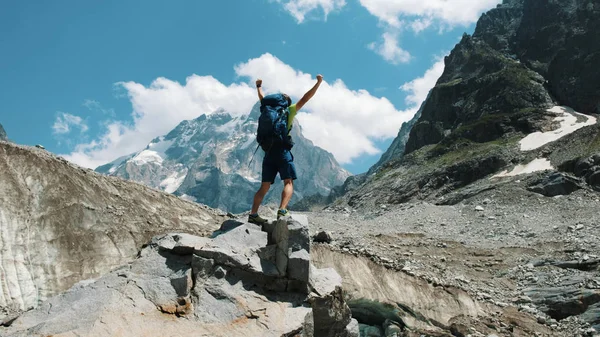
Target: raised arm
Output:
[(309, 94), (259, 89)]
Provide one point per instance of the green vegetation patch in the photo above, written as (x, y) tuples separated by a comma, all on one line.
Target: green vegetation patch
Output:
[(465, 149)]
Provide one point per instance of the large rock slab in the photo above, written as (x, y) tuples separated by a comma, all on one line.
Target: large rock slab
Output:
[(556, 184), (299, 266), (281, 237), (238, 248), (61, 224), (299, 232), (291, 237), (566, 301)]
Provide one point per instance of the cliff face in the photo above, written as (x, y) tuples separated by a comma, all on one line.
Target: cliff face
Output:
[(60, 224), (559, 40), (523, 55), (518, 76)]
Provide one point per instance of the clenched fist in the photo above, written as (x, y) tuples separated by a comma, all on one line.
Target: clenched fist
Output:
[(258, 82), (319, 78)]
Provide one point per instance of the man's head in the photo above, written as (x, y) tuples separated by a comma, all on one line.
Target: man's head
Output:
[(289, 100)]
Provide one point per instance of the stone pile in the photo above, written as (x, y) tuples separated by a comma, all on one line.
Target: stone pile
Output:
[(242, 281)]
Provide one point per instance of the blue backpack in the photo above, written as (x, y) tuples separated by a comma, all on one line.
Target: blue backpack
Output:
[(272, 124)]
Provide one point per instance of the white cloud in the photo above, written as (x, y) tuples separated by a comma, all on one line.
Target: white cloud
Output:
[(66, 122), (419, 15), (300, 8), (390, 50), (95, 106), (419, 25), (338, 119), (423, 13), (157, 109)]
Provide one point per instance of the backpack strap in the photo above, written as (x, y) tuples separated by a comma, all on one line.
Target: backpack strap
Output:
[(252, 158)]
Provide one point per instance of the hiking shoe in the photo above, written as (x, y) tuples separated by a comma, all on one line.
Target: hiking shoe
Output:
[(256, 219), (282, 212)]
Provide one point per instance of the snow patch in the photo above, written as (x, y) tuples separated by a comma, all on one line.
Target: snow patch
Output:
[(251, 179), (568, 124), (162, 146), (539, 164), (187, 135), (248, 142), (230, 127), (146, 157), (154, 153), (172, 182), (115, 164)]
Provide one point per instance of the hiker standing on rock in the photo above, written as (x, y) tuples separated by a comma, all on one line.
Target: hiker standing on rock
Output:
[(274, 125)]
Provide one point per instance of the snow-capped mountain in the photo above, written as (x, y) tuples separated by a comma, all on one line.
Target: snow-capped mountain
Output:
[(209, 160)]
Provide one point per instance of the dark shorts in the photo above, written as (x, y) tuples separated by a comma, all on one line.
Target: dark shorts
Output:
[(281, 162)]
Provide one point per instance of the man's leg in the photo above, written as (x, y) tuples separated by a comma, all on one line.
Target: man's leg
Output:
[(287, 171), (259, 196), (286, 194), (269, 172)]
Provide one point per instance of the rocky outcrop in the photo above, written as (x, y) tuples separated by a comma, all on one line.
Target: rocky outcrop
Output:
[(210, 160), (233, 284), (477, 96), (556, 184), (510, 80), (563, 50), (519, 58), (3, 136), (61, 223), (587, 168)]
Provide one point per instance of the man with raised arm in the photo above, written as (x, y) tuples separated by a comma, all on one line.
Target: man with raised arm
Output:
[(279, 159)]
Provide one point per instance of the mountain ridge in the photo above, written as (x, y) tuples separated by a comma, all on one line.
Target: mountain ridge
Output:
[(3, 136), (498, 86), (212, 160)]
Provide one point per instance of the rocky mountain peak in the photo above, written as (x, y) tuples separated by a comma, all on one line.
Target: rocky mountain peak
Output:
[(212, 160), (255, 112), (527, 74), (3, 135), (514, 61)]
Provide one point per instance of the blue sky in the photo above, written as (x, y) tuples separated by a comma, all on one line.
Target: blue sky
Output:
[(96, 80)]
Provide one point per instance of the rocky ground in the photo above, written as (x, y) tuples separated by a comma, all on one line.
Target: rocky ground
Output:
[(507, 247)]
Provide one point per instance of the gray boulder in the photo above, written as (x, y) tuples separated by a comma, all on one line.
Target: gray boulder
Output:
[(323, 237), (568, 300), (556, 184), (587, 168), (331, 314)]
